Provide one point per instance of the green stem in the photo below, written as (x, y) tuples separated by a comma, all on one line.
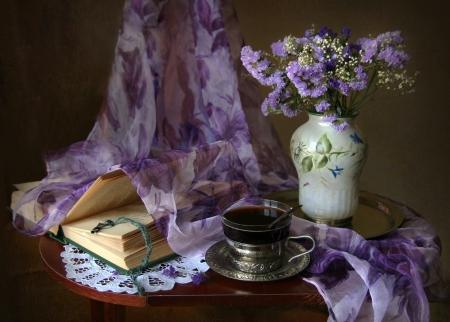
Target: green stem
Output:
[(291, 98), (344, 104)]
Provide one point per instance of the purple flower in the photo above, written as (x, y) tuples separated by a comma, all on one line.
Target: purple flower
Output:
[(391, 38), (198, 278), (369, 48), (310, 33), (288, 111), (265, 106), (278, 49), (368, 54), (340, 127), (367, 43), (330, 118), (324, 31), (394, 58), (333, 83), (262, 65), (302, 41), (318, 91), (346, 32), (360, 73), (249, 56), (170, 272), (322, 106), (302, 87), (314, 74), (276, 79), (330, 65), (345, 89), (350, 50), (358, 85), (255, 63), (274, 98)]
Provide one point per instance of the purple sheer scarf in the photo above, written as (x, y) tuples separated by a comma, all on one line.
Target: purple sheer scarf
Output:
[(390, 278), (176, 83)]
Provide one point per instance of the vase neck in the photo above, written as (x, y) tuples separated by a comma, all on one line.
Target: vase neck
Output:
[(317, 118)]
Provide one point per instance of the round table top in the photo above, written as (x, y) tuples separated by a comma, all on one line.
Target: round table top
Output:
[(216, 290)]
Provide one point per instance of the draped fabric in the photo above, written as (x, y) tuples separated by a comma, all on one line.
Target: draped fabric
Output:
[(390, 278), (184, 124), (176, 83)]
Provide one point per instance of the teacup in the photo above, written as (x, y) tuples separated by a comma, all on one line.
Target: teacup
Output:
[(254, 246)]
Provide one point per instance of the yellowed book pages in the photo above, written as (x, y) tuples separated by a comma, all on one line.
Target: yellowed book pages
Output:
[(21, 189), (35, 212), (117, 258), (132, 241), (135, 211), (127, 259), (109, 191)]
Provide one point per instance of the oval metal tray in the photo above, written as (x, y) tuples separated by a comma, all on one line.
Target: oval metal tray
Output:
[(374, 216)]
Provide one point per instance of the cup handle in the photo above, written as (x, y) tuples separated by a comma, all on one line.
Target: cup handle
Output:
[(305, 252)]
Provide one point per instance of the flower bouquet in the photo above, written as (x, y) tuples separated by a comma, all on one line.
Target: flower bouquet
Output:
[(323, 73), (331, 79)]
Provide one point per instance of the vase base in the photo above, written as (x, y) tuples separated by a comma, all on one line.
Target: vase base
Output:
[(343, 223)]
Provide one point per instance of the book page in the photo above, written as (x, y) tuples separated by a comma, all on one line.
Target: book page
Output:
[(126, 243), (135, 211), (109, 191), (126, 260), (29, 212), (24, 187)]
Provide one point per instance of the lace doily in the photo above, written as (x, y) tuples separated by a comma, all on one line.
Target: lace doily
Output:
[(88, 270)]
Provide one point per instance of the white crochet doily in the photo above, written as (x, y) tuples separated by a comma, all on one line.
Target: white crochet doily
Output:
[(87, 270)]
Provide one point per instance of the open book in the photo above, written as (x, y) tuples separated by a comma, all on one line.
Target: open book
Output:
[(121, 245), (112, 196)]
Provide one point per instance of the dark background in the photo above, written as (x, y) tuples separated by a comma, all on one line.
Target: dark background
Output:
[(55, 58)]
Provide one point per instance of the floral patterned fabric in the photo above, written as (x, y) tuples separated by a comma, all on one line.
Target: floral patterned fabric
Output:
[(390, 278), (185, 125), (176, 83)]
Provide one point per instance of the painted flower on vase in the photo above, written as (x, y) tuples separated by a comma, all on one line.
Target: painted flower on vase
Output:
[(323, 73), (326, 154), (337, 171)]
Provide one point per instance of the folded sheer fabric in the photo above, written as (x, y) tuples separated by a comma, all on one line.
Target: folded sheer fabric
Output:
[(176, 84), (391, 278), (185, 125)]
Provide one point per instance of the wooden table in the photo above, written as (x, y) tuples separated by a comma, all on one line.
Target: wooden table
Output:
[(217, 290)]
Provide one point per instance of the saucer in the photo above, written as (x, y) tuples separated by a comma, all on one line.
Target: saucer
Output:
[(218, 259)]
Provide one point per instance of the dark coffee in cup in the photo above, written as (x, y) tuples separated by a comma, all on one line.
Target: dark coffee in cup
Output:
[(248, 224)]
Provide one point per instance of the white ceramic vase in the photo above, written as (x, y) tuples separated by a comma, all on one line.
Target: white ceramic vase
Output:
[(329, 164)]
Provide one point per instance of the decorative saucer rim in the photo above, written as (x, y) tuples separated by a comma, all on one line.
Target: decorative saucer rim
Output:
[(216, 258)]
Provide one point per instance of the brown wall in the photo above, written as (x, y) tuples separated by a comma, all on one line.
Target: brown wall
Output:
[(55, 57)]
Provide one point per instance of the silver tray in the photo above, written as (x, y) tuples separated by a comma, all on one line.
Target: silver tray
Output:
[(374, 216), (217, 257)]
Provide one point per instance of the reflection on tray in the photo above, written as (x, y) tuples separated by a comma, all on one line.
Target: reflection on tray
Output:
[(374, 216)]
